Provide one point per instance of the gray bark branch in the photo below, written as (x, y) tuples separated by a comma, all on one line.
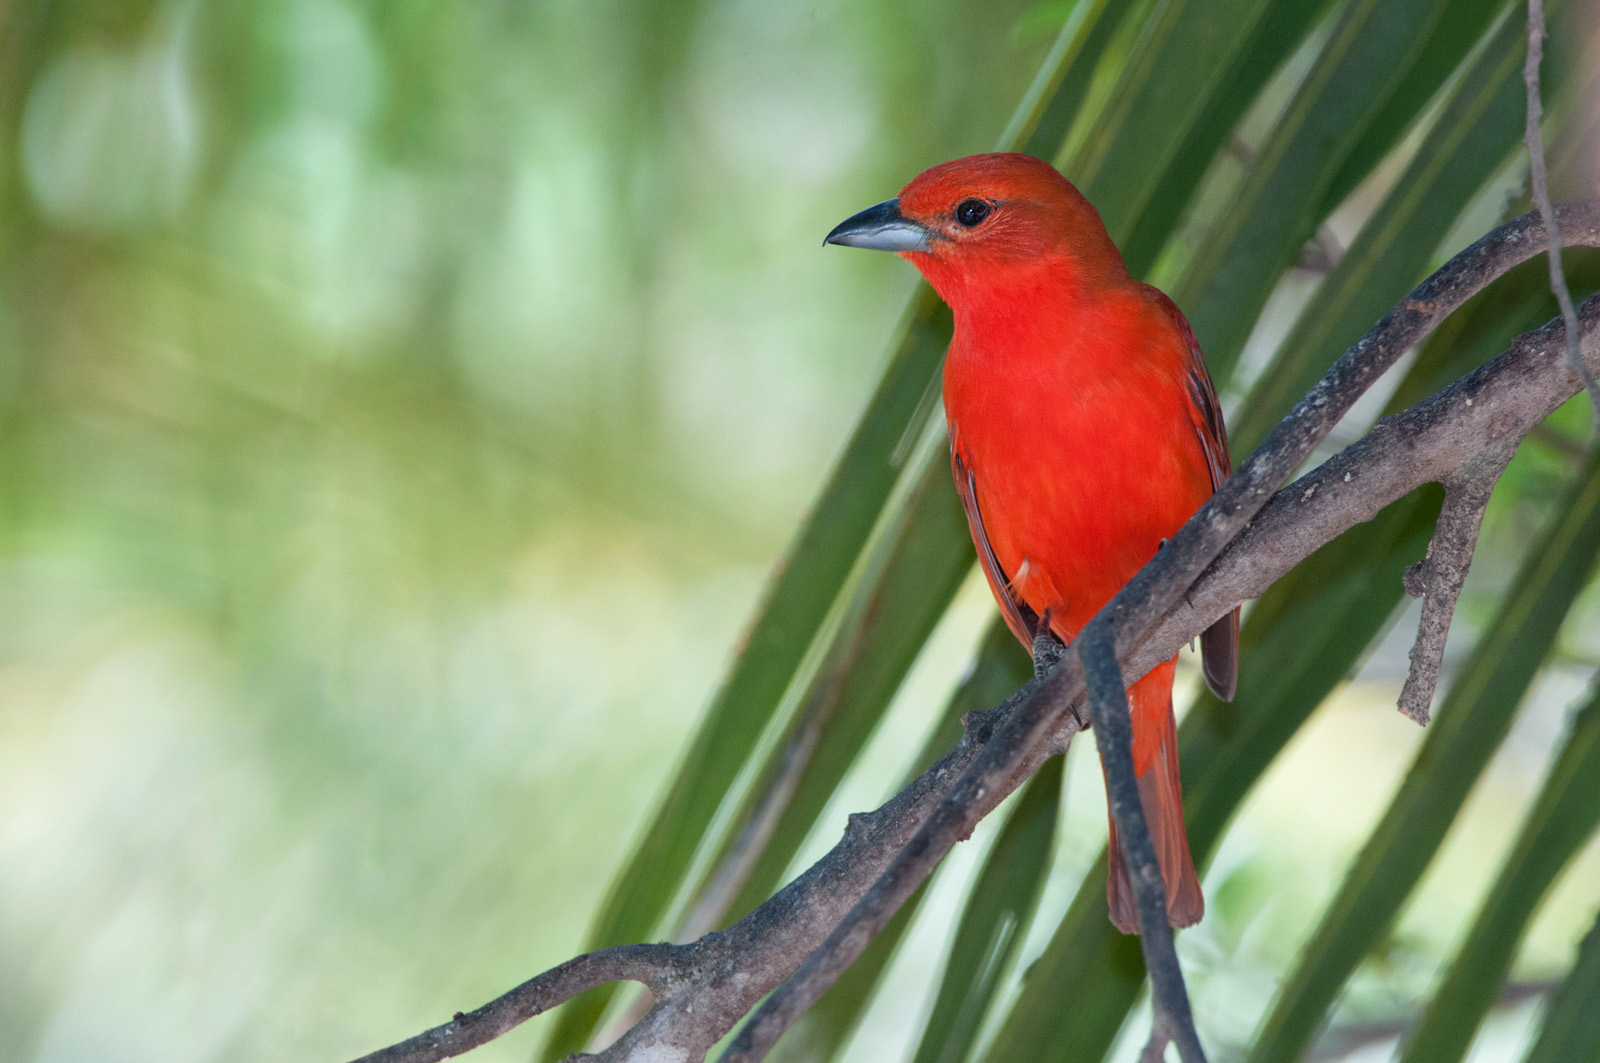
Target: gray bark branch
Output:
[(1108, 709), (1438, 577), (656, 966)]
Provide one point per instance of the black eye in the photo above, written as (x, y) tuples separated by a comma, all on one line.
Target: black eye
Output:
[(970, 212)]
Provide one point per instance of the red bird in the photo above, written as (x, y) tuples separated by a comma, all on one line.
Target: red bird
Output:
[(1084, 431)]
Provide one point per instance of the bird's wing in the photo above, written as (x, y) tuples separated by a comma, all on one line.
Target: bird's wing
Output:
[(1219, 644), (1019, 617)]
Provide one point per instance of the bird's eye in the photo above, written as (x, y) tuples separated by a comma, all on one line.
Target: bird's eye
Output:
[(970, 212)]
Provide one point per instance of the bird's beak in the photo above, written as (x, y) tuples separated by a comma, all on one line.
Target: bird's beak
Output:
[(881, 228)]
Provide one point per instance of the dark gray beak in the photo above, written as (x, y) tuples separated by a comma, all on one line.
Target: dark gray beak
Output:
[(881, 228)]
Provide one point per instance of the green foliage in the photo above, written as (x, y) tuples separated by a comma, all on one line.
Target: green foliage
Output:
[(1572, 1025), (1264, 48), (1563, 818), (1193, 46), (923, 568), (1482, 119), (1475, 716), (998, 910), (1260, 234)]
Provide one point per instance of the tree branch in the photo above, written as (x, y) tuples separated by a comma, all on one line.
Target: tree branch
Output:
[(1108, 708), (1438, 577), (1237, 545), (657, 966)]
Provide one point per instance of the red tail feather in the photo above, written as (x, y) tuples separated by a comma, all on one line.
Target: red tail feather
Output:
[(1155, 759)]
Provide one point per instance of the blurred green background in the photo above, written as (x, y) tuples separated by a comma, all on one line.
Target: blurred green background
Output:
[(401, 406)]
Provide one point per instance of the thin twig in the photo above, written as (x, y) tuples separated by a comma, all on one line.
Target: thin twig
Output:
[(654, 965), (1108, 710), (1438, 577), (1322, 252), (1539, 180)]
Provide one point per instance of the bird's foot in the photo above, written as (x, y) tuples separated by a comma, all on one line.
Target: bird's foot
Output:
[(1047, 649), (1047, 652)]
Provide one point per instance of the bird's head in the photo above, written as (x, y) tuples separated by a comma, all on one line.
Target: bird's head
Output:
[(974, 222)]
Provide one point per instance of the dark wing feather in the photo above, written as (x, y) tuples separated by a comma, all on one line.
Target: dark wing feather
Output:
[(1219, 644), (1022, 620)]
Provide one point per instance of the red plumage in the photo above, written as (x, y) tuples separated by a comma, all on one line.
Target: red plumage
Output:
[(1084, 431)]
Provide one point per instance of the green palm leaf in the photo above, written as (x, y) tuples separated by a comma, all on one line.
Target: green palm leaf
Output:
[(899, 607), (798, 603), (1479, 126), (1563, 818), (1476, 714), (997, 913), (1261, 232), (1571, 1029), (999, 669), (1270, 41)]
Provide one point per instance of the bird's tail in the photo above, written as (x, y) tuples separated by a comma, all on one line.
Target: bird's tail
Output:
[(1155, 763)]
